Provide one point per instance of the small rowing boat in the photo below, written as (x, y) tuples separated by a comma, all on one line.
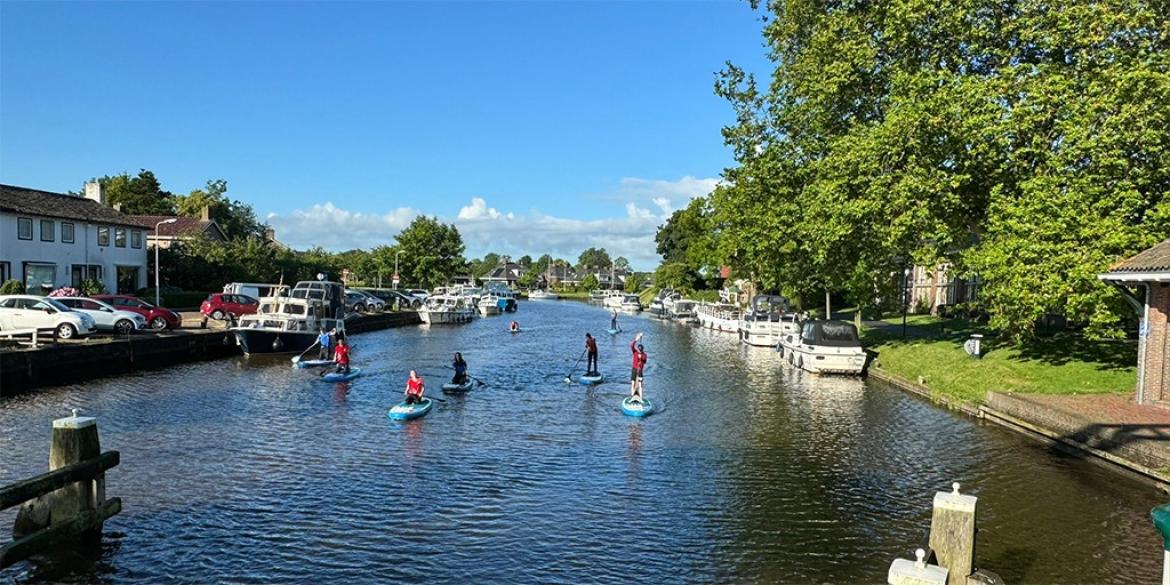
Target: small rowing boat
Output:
[(342, 377), (633, 407), (464, 387), (404, 411)]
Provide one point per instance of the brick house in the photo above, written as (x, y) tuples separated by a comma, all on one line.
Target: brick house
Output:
[(1144, 280)]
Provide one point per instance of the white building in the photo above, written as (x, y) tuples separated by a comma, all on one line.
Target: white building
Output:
[(49, 240)]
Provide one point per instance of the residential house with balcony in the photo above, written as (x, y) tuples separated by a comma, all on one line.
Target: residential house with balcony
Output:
[(49, 240)]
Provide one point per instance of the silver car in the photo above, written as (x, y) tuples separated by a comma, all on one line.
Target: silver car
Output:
[(105, 316)]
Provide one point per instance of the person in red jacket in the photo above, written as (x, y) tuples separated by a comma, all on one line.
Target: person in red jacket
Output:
[(341, 355), (639, 364), (414, 388)]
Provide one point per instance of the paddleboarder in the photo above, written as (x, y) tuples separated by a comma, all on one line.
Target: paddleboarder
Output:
[(613, 320), (514, 327), (341, 356), (325, 341), (414, 388), (460, 366), (639, 364), (591, 350)]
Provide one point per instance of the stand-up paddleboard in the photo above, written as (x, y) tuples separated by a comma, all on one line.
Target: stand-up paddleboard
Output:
[(590, 380), (404, 411), (340, 377), (513, 331), (613, 331), (464, 387), (632, 407), (313, 363)]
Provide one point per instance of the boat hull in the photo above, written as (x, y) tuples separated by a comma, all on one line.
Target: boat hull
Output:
[(445, 317), (262, 341)]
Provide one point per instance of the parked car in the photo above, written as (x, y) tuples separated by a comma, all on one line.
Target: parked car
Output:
[(157, 317), (356, 302), (33, 312), (418, 293), (105, 316), (403, 299), (373, 303), (220, 305)]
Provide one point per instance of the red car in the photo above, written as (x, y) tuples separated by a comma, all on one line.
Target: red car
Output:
[(219, 305), (156, 317)]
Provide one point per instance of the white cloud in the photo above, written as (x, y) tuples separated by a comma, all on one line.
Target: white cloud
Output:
[(647, 204)]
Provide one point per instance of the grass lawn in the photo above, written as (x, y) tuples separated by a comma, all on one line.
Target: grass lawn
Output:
[(1062, 364)]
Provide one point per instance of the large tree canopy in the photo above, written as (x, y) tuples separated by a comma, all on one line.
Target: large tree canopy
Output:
[(1026, 142), (432, 252), (594, 258), (139, 195), (234, 217)]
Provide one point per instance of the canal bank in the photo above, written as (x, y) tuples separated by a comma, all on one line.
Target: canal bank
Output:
[(1108, 429), (26, 369)]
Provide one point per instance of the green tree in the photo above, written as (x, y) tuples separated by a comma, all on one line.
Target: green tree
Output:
[(593, 257), (236, 218), (12, 287), (432, 252), (590, 282), (675, 275), (620, 263), (138, 195), (634, 282), (525, 260)]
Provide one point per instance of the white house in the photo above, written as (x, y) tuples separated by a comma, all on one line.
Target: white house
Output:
[(49, 240)]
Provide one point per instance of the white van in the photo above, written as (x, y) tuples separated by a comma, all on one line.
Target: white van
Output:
[(256, 290)]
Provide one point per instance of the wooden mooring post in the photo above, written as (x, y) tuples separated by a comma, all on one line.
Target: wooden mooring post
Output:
[(68, 504), (951, 556)]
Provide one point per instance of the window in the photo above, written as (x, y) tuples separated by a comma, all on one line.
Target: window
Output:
[(66, 232), (120, 237), (9, 303), (83, 272), (135, 239), (48, 231), (24, 228), (5, 271), (103, 236), (39, 279)]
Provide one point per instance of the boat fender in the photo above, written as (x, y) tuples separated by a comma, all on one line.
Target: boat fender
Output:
[(277, 345)]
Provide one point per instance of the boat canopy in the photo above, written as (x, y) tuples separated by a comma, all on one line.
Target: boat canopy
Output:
[(829, 333), (768, 304)]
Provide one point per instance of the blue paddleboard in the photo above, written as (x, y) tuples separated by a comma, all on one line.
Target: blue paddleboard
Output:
[(591, 380), (613, 331), (339, 377), (313, 363), (634, 408), (404, 411), (464, 387)]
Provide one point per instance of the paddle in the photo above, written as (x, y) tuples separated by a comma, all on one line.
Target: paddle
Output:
[(298, 358), (568, 376)]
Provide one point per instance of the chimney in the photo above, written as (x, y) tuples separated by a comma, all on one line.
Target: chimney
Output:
[(96, 192), (206, 215), (269, 235), (117, 207)]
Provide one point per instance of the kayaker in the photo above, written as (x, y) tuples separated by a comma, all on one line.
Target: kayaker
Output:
[(414, 388), (639, 364), (341, 356), (514, 327), (591, 349), (460, 366), (613, 320), (325, 341)]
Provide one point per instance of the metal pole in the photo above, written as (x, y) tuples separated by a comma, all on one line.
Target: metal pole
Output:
[(157, 240), (905, 298)]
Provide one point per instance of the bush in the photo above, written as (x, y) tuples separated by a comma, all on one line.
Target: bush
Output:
[(12, 287), (92, 286)]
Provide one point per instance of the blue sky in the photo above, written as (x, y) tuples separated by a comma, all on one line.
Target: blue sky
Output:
[(534, 126)]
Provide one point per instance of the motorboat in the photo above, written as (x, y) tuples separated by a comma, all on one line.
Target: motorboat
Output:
[(446, 309), (631, 304), (489, 304), (596, 296), (661, 304), (718, 316), (288, 324), (613, 299), (541, 294), (683, 311), (763, 323), (824, 347)]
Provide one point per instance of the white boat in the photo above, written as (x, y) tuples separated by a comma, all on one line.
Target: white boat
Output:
[(683, 311), (614, 298), (489, 304), (286, 324), (539, 294), (445, 310), (663, 302), (763, 323), (719, 316), (824, 347), (631, 304)]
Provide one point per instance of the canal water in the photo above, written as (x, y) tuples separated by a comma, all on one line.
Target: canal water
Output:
[(249, 471)]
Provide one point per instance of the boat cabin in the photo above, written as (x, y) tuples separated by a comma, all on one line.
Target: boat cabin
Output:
[(829, 333)]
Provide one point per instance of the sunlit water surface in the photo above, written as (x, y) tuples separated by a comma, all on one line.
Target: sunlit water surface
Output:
[(249, 471)]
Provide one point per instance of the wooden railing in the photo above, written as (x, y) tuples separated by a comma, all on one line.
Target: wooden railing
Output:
[(87, 502)]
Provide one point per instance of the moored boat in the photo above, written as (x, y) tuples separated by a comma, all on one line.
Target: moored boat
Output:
[(290, 324), (683, 311), (445, 310), (540, 294), (824, 347), (718, 316), (764, 322), (490, 304), (631, 304)]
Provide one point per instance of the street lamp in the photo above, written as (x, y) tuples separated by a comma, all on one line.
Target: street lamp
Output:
[(396, 255), (905, 298), (157, 241)]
